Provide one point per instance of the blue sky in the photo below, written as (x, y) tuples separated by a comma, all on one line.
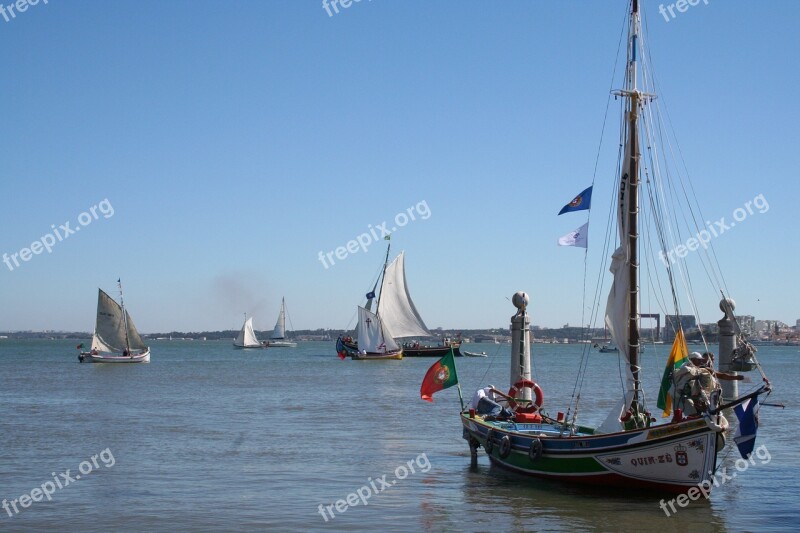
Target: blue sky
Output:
[(237, 140)]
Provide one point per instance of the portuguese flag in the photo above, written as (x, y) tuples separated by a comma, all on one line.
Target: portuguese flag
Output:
[(440, 376), (677, 357)]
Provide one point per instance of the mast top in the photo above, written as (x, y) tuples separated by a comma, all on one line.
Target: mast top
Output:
[(635, 7)]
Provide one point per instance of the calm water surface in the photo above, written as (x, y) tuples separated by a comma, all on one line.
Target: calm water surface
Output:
[(206, 438)]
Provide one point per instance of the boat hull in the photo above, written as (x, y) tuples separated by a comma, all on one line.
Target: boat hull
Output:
[(430, 351), (249, 346), (350, 349), (282, 344), (669, 458), (377, 356), (88, 357)]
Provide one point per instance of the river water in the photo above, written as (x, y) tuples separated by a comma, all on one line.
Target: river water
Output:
[(208, 438)]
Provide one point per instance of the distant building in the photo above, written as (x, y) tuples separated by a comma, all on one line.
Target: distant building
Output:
[(673, 322), (747, 323)]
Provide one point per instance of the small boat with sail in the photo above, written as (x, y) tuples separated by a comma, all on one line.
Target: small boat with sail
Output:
[(630, 449), (278, 338), (247, 336), (115, 338), (398, 314)]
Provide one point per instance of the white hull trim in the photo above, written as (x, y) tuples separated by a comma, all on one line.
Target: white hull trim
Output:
[(88, 357)]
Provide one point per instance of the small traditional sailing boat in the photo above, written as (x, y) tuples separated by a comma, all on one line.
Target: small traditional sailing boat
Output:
[(375, 341), (247, 336), (278, 338), (629, 449), (398, 314), (115, 338)]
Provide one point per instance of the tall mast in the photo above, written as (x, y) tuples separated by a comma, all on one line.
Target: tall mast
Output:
[(383, 277), (124, 316), (633, 208), (630, 219)]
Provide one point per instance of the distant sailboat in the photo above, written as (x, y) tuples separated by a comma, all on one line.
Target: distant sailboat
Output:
[(115, 338), (278, 338), (247, 336), (399, 314)]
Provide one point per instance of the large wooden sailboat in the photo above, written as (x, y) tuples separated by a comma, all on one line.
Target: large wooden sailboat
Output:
[(630, 449)]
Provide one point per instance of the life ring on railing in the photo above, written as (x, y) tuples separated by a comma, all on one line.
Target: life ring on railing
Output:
[(537, 391)]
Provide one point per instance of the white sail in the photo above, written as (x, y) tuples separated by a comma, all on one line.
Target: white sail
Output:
[(280, 326), (618, 304), (395, 306), (247, 337), (110, 334), (373, 336), (99, 345), (134, 339)]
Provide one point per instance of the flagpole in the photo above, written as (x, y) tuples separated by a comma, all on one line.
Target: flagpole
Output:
[(458, 383)]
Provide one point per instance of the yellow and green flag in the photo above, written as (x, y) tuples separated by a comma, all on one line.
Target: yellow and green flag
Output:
[(677, 356)]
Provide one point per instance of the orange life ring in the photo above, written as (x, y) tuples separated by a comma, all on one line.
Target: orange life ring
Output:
[(537, 391)]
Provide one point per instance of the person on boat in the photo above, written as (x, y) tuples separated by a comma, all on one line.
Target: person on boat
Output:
[(94, 351), (486, 392), (485, 402), (706, 360), (695, 385)]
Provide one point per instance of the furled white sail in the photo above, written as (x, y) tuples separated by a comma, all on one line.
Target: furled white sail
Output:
[(395, 306), (618, 305), (280, 326), (247, 337), (373, 335), (110, 334)]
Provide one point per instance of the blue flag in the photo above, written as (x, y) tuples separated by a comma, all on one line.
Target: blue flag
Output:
[(370, 295), (745, 438), (579, 203)]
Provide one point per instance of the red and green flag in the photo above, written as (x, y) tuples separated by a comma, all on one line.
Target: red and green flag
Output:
[(439, 376), (677, 357)]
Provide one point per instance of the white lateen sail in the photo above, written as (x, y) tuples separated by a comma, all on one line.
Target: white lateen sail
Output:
[(247, 337), (373, 336), (395, 306)]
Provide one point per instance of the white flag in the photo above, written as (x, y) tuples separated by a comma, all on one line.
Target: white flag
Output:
[(579, 237)]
